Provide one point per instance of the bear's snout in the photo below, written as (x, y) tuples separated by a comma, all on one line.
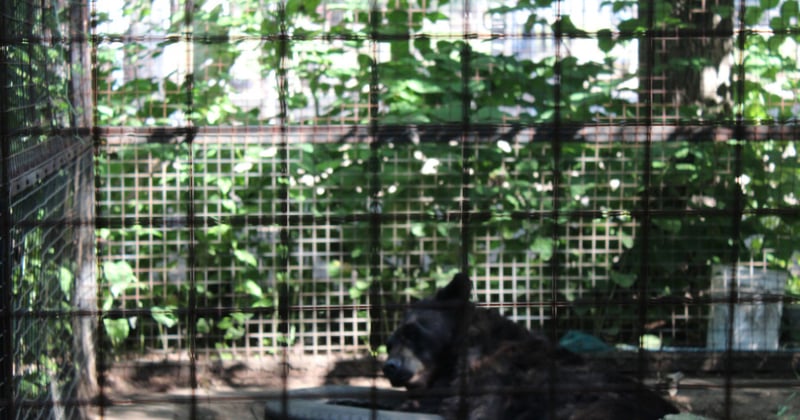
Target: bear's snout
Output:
[(397, 372), (392, 369)]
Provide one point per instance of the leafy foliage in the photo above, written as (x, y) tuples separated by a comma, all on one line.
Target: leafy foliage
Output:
[(340, 63)]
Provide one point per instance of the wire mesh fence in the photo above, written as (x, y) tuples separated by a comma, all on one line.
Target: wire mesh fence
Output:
[(516, 230), (49, 286), (282, 178)]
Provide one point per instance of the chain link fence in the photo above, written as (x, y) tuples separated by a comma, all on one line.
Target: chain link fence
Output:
[(274, 176), (49, 286)]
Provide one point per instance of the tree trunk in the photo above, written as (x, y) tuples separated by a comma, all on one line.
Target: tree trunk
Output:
[(84, 299), (685, 65)]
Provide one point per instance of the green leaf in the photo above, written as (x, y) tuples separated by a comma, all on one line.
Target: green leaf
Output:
[(567, 27), (225, 185), (532, 20), (117, 330), (775, 41), (513, 201), (627, 240), (790, 9), (752, 15), (754, 243), (334, 268), (241, 317), (164, 315), (65, 280), (605, 40), (252, 288), (357, 252), (225, 323), (618, 5), (105, 111), (264, 302), (769, 4), (269, 152), (245, 257), (623, 279), (418, 229), (234, 333), (770, 222), (436, 16), (668, 225), (682, 153), (219, 230), (229, 205), (421, 86), (777, 24), (242, 167), (108, 302), (119, 276), (543, 247), (632, 25), (202, 326)]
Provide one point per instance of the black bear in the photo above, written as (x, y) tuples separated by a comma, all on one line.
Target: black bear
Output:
[(465, 362)]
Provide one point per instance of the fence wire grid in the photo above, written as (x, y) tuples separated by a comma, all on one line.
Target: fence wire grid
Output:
[(265, 180)]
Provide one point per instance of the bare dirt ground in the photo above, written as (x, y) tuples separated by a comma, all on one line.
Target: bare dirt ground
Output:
[(161, 389)]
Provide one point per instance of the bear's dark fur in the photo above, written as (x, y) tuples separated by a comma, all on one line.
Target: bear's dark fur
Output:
[(466, 362)]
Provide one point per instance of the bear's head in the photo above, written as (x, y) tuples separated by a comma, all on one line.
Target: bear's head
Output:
[(424, 344)]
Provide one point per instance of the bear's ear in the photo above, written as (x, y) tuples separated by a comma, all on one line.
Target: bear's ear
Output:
[(458, 289)]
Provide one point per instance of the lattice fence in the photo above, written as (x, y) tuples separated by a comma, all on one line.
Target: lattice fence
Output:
[(547, 242)]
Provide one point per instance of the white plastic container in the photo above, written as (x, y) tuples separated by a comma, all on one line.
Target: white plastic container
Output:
[(757, 308)]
